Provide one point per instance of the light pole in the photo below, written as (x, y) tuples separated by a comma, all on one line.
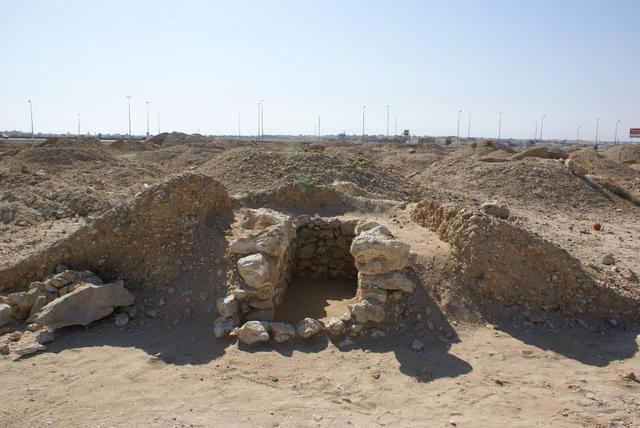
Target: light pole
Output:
[(31, 115), (499, 125), (129, 104), (578, 138), (239, 126), (541, 125), (363, 109), (395, 129), (458, 131), (469, 127), (147, 102), (318, 125), (261, 120), (535, 135), (388, 107), (597, 127), (78, 125), (615, 138), (158, 123)]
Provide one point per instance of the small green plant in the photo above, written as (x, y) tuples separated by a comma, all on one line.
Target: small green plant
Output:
[(303, 178)]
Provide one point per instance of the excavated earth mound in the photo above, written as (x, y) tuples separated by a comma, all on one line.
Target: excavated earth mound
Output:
[(625, 153), (56, 152), (247, 168)]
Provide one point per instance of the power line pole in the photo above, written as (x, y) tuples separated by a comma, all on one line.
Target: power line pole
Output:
[(458, 130), (388, 107), (129, 104), (499, 125), (363, 109), (31, 114), (147, 118)]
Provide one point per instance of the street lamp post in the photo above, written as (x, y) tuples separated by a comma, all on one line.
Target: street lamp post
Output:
[(541, 125), (615, 138), (78, 125), (395, 128), (318, 125), (578, 138), (535, 135), (469, 127), (388, 107), (363, 109), (147, 102), (31, 115), (458, 130), (499, 125), (158, 123), (597, 128), (129, 105)]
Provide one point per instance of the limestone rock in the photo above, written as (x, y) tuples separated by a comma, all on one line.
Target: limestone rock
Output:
[(608, 260), (228, 306), (282, 331), (84, 305), (376, 252), (223, 326), (334, 326), (575, 168), (364, 225), (44, 336), (495, 209), (308, 327), (388, 281), (365, 311), (22, 302), (255, 270), (122, 319), (29, 349), (40, 302), (629, 275), (5, 314), (253, 332)]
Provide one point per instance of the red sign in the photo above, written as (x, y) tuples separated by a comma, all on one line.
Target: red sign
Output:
[(634, 132)]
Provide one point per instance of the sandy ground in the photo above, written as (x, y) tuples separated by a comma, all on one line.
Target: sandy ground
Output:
[(107, 376)]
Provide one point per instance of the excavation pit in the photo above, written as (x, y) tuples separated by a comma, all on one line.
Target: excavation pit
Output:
[(288, 270)]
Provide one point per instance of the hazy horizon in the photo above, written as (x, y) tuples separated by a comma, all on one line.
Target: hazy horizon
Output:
[(200, 66)]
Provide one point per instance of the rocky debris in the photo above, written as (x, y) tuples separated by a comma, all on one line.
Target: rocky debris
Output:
[(255, 270), (495, 209), (223, 326), (121, 319), (5, 314), (376, 252), (5, 349), (282, 332), (388, 281), (84, 305), (417, 345), (308, 327), (227, 306), (608, 259), (629, 275), (44, 336), (352, 189), (541, 152), (253, 332), (365, 311), (577, 169), (335, 326), (40, 303), (28, 349)]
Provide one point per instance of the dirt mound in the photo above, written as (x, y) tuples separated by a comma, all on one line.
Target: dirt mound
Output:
[(542, 153), (55, 152), (133, 145), (487, 147), (615, 176), (514, 266), (625, 153), (532, 182), (179, 138), (246, 168), (149, 240)]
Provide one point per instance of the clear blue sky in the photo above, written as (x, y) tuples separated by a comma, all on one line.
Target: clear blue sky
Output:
[(200, 63)]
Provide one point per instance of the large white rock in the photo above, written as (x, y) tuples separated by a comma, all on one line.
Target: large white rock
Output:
[(282, 332), (388, 281), (365, 311), (256, 270), (334, 326), (88, 303), (308, 327), (376, 252), (227, 306), (253, 332), (5, 314)]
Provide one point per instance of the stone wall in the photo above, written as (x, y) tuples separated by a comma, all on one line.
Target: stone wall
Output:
[(322, 248)]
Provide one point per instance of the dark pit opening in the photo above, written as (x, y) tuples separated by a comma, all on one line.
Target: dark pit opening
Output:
[(324, 278)]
